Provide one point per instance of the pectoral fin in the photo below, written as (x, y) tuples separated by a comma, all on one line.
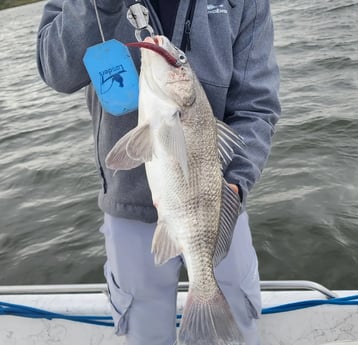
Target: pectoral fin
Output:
[(132, 150), (173, 140)]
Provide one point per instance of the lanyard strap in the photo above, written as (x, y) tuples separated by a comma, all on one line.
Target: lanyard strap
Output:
[(98, 20)]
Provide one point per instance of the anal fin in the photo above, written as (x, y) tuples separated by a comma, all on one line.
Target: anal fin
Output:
[(163, 247)]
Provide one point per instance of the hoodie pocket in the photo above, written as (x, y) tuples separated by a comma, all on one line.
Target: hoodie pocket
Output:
[(120, 303)]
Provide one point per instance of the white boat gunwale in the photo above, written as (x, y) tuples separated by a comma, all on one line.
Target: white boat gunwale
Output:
[(319, 325), (182, 286)]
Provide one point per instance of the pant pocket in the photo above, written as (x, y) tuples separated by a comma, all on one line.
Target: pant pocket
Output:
[(253, 303), (120, 303)]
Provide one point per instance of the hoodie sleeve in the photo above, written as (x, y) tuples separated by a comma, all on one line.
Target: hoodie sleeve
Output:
[(253, 107), (66, 30)]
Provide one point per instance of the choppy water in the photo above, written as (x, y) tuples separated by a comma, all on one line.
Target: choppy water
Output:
[(304, 211)]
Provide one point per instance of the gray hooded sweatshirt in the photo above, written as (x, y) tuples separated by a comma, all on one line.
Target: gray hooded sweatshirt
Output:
[(231, 51)]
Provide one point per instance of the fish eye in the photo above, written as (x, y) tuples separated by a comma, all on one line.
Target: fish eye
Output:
[(181, 56)]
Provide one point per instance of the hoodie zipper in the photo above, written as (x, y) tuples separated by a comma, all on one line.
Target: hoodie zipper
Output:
[(185, 43)]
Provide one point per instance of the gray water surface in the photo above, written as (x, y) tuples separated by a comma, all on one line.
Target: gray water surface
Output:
[(304, 211)]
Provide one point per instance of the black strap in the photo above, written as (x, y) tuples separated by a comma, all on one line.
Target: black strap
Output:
[(167, 12)]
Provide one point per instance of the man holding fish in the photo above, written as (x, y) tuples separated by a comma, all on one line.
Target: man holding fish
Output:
[(185, 162)]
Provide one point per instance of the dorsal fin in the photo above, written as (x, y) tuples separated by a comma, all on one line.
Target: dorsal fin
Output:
[(228, 140), (228, 217)]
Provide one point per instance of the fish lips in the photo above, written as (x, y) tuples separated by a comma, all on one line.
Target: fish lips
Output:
[(172, 60)]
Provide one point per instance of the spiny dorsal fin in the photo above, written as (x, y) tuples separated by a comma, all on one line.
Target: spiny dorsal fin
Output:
[(228, 140), (163, 247), (228, 217), (133, 149)]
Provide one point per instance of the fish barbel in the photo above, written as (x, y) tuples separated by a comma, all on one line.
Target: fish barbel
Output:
[(184, 149)]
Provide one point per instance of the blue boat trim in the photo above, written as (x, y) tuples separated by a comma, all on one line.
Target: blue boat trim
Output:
[(19, 310)]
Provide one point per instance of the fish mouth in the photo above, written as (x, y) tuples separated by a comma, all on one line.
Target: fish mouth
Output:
[(154, 45)]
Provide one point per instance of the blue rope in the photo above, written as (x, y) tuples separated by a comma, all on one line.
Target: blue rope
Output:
[(349, 300), (35, 313)]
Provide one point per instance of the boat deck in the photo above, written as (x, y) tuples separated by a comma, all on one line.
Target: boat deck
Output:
[(311, 325)]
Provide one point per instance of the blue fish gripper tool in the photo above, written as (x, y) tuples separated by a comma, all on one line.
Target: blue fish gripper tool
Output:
[(114, 76)]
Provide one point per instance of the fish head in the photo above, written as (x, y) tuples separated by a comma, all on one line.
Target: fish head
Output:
[(166, 70)]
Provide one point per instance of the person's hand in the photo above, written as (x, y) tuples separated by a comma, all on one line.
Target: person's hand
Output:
[(234, 188)]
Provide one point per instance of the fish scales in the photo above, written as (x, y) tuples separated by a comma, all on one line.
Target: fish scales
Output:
[(184, 149), (197, 209)]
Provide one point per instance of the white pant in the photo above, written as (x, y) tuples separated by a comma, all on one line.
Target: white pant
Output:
[(143, 296)]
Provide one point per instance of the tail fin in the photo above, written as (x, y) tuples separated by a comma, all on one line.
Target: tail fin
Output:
[(208, 322)]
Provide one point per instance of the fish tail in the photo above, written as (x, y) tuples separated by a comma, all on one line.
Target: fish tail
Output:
[(208, 322)]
